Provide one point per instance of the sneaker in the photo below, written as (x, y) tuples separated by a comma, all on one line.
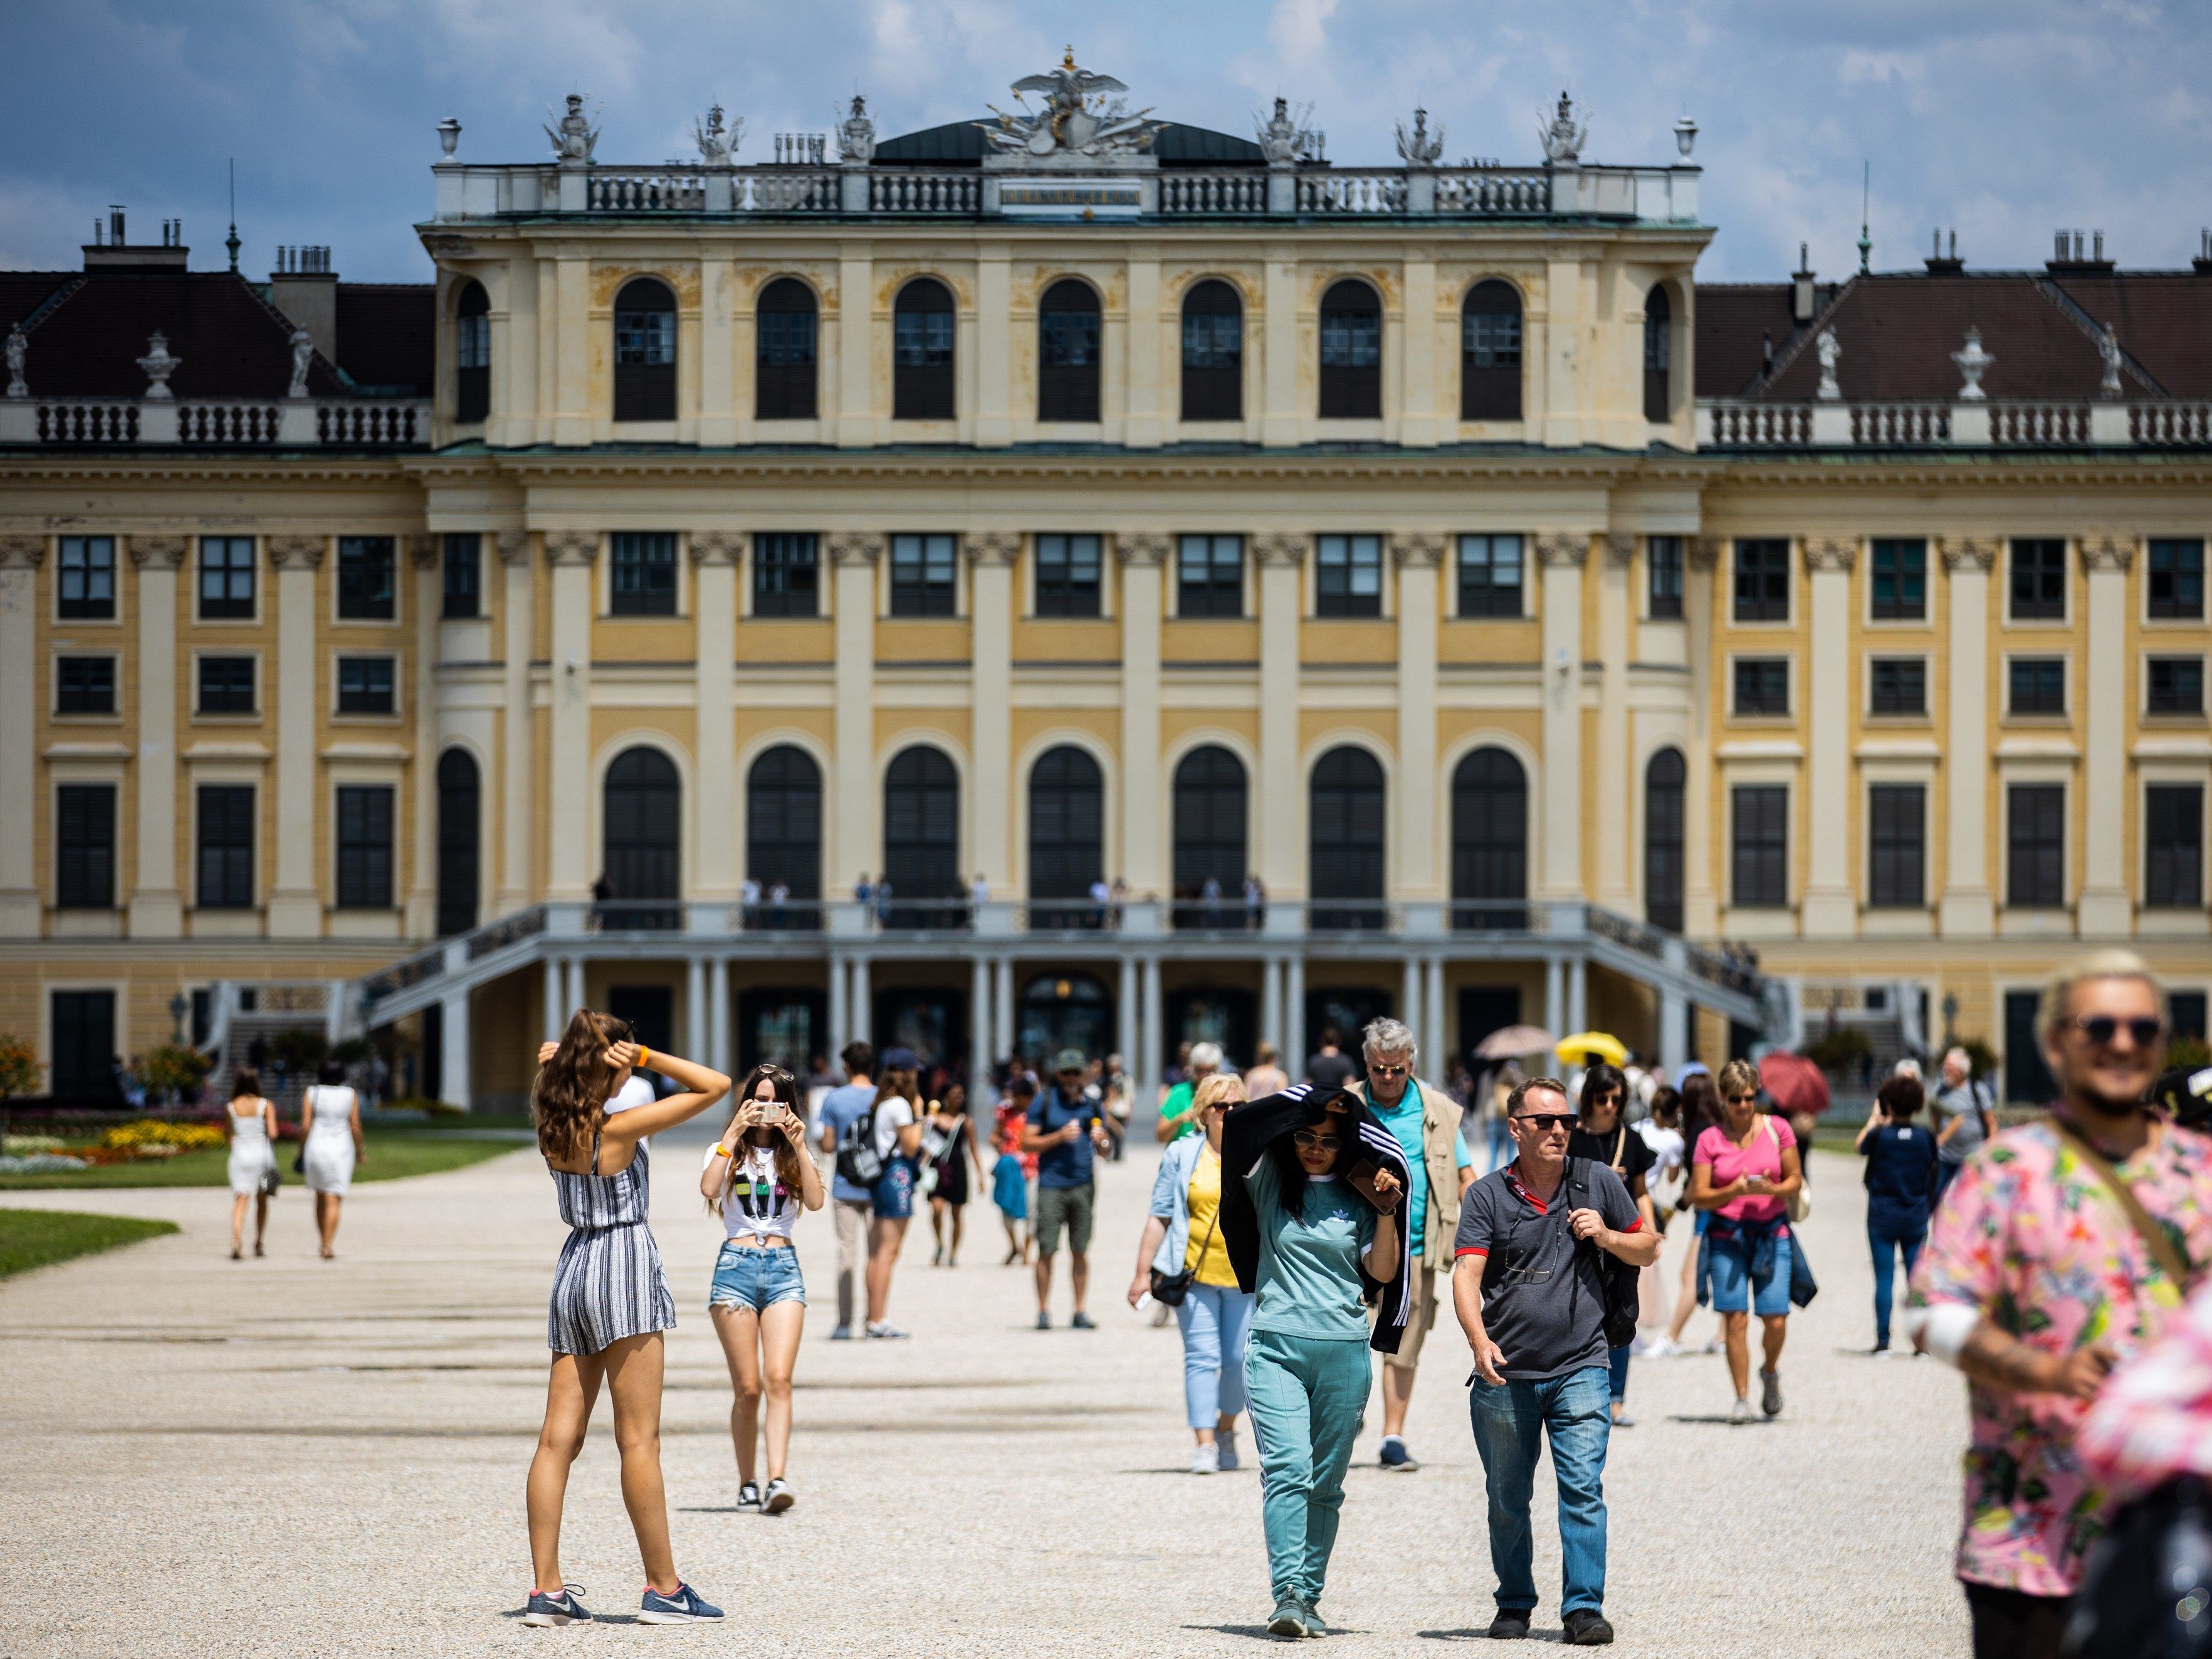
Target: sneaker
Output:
[(1621, 1419), (683, 1607), (1586, 1628), (1224, 1443), (1395, 1456), (1509, 1627), (749, 1496), (882, 1330), (1082, 1321), (1769, 1393), (842, 1333), (1205, 1460), (1714, 1347), (1313, 1624), (544, 1610), (778, 1497), (1044, 1321), (1289, 1619), (1740, 1412), (1661, 1347)]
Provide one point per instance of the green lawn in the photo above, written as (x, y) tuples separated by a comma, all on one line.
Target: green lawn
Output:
[(36, 1238), (393, 1154)]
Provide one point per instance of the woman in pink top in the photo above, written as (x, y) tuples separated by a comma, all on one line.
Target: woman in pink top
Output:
[(1743, 1172)]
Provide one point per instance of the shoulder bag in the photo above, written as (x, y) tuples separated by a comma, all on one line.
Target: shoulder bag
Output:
[(1623, 1294), (1170, 1289), (1797, 1206)]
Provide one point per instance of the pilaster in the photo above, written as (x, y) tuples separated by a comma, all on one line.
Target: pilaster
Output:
[(993, 335), (20, 904), (1829, 910), (1967, 910), (518, 818), (1419, 557), (717, 557), (852, 559), (2105, 911), (573, 350), (570, 867), (718, 357), (1561, 556), (1281, 559), (991, 558), (856, 316), (1144, 557), (422, 912), (156, 905), (1280, 415), (1418, 415), (1701, 917), (296, 898), (1611, 882), (1147, 416)]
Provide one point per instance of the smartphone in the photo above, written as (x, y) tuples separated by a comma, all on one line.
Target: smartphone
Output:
[(1362, 1177)]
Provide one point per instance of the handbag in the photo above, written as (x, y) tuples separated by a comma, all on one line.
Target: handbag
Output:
[(1170, 1289), (270, 1180)]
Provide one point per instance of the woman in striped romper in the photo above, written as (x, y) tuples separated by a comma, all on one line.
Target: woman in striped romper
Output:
[(611, 1300)]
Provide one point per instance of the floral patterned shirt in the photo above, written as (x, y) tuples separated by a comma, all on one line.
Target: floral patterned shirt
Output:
[(2030, 1237)]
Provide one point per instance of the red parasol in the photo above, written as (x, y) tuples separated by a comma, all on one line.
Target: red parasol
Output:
[(1796, 1084)]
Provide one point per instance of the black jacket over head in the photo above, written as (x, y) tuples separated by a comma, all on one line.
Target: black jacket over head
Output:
[(1246, 1135)]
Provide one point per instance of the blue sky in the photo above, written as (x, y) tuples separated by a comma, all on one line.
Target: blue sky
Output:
[(2005, 118)]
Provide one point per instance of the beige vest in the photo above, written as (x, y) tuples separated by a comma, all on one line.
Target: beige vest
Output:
[(1440, 1121)]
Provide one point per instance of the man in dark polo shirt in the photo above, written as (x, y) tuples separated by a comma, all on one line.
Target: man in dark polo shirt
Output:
[(1530, 1285)]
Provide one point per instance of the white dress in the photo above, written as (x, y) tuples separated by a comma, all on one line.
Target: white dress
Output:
[(251, 1154), (329, 1156)]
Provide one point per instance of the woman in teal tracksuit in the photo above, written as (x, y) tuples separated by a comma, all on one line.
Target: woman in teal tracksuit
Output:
[(1320, 1245)]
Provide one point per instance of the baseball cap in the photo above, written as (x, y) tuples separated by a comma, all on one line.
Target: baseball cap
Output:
[(1070, 1060), (901, 1060)]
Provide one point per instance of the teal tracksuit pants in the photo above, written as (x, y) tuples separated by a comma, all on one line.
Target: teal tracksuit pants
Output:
[(1306, 1397)]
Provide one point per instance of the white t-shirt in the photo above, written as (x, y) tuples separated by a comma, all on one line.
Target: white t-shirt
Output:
[(1667, 1146), (757, 1204), (892, 1116)]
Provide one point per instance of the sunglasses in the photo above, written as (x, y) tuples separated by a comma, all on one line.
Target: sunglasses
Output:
[(1311, 1142), (2101, 1028), (1389, 1071), (1547, 1122)]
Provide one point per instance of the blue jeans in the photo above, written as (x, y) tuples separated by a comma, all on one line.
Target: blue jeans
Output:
[(1617, 1363), (1306, 1397), (1886, 1236), (1510, 1423), (1216, 1321), (1502, 1149)]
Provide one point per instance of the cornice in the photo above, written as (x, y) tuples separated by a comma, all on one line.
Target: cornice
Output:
[(2107, 552), (304, 549), (572, 547), (1144, 547), (1418, 550), (423, 551), (718, 546), (22, 552), (165, 550), (854, 547), (1563, 549), (1960, 552), (1281, 548), (513, 546), (1830, 553), (993, 547)]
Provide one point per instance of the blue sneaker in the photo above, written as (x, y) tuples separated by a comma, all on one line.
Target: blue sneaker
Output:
[(562, 1609), (685, 1608), (1395, 1456)]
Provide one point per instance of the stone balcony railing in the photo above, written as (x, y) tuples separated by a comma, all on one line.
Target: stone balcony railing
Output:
[(217, 423), (1733, 424)]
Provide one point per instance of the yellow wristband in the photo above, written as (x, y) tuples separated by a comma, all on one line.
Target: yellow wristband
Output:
[(644, 1055)]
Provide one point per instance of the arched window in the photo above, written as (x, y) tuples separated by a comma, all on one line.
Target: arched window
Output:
[(1663, 840), (1350, 353), (1490, 353), (1490, 841), (921, 839), (1067, 842), (1067, 352), (472, 355), (1211, 857), (783, 355), (921, 351), (457, 821), (1212, 352), (645, 351), (1345, 828), (1658, 355), (643, 864), (783, 837)]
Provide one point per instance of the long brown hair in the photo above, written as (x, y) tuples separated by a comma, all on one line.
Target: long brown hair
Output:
[(570, 1091), (782, 1086)]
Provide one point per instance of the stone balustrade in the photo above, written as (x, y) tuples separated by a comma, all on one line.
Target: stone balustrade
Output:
[(1728, 424), (231, 423)]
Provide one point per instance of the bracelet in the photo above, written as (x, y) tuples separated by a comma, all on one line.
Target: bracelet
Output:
[(644, 1055)]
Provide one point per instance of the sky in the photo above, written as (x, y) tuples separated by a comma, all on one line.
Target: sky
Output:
[(2005, 119)]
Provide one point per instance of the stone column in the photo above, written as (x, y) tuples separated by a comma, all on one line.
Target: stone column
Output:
[(1701, 916), (1555, 997), (2105, 911), (456, 1063), (853, 825), (1674, 1035), (1144, 558), (422, 912), (1129, 1021), (296, 898), (1294, 1017), (1616, 781), (578, 991), (21, 903), (571, 863), (695, 1039), (1579, 995), (518, 809), (862, 1011), (1271, 1003), (557, 997), (856, 341), (1562, 555), (721, 1050), (156, 905), (715, 557), (1967, 910), (980, 1052), (1280, 413), (991, 558), (1282, 569), (1412, 1009), (1002, 1000), (1153, 1042), (1829, 910), (994, 345), (841, 1021), (1434, 1028), (1420, 557)]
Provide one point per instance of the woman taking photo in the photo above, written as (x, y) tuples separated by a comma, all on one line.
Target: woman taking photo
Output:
[(758, 1175), (334, 1148), (949, 1144), (1603, 1136), (1742, 1174), (611, 1300), (252, 1124), (1182, 1238), (1900, 1181)]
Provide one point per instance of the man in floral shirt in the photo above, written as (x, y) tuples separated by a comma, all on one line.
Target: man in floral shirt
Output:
[(2039, 1278)]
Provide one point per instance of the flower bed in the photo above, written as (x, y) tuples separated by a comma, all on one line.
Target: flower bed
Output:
[(160, 1138)]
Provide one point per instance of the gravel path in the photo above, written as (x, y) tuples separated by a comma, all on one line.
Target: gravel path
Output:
[(299, 1457)]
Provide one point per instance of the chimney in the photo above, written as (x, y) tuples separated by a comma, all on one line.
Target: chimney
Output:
[(306, 289), (2072, 253), (1801, 292), (1940, 263), (2203, 262), (110, 247)]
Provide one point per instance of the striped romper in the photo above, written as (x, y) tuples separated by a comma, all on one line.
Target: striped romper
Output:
[(608, 1284)]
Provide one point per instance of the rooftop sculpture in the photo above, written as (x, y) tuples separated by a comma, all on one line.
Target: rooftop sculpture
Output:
[(575, 137), (1081, 116), (718, 145), (1563, 139)]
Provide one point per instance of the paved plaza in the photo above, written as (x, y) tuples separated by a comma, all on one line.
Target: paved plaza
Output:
[(299, 1457)]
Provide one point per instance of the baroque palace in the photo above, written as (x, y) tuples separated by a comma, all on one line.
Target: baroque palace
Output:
[(1204, 590)]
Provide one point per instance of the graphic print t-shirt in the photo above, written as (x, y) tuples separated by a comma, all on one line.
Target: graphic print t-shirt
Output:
[(758, 1205)]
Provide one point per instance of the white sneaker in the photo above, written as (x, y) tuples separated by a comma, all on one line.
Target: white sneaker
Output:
[(884, 1330), (778, 1497), (1224, 1443), (1740, 1412), (1205, 1460), (1660, 1347)]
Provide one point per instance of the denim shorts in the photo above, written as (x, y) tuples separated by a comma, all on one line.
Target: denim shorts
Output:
[(893, 1197), (756, 1279), (1736, 1289)]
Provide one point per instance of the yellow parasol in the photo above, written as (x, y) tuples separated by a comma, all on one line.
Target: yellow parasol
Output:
[(1593, 1045)]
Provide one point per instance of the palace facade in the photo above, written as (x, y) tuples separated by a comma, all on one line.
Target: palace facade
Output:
[(1221, 593)]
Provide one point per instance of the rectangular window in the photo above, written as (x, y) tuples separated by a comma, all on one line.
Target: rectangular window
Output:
[(1067, 569), (2036, 685), (366, 584), (1762, 580), (1348, 575), (1762, 685), (364, 847), (227, 573), (2035, 838), (1489, 576), (226, 685), (365, 686), (88, 578), (463, 574), (84, 847), (84, 685), (2177, 580), (1760, 822), (1900, 581), (2173, 846), (784, 573), (225, 813), (2039, 580), (643, 574), (925, 571), (1897, 814), (1663, 556), (84, 1045), (1210, 576), (2176, 685), (1898, 685)]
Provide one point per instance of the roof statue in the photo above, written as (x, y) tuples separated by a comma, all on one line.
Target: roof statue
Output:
[(2108, 347), (159, 366), (303, 354), (19, 347), (1081, 116), (575, 137), (718, 145), (1420, 148), (856, 135), (1283, 137), (1832, 352), (1561, 137), (1973, 363)]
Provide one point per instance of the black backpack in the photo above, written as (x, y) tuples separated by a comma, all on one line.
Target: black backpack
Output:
[(1622, 1295), (858, 1160)]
